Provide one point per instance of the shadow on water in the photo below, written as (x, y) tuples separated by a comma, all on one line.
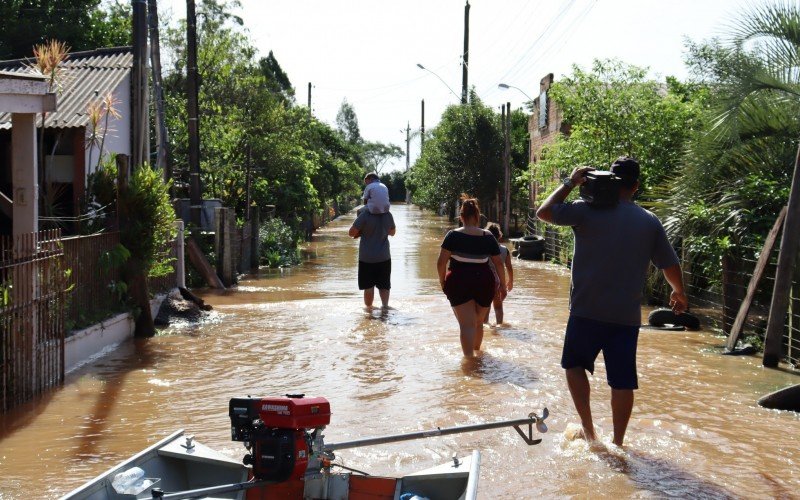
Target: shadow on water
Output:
[(139, 354), (23, 415), (659, 475), (497, 370), (136, 355), (509, 331)]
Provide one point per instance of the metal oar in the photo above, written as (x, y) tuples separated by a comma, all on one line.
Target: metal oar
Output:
[(532, 420)]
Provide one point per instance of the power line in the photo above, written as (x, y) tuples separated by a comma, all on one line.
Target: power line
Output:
[(533, 45)]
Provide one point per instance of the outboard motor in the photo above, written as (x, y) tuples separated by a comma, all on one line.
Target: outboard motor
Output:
[(276, 432)]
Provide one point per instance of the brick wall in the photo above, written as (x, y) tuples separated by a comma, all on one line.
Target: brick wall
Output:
[(540, 136)]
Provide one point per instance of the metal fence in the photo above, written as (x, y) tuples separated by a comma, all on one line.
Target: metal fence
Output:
[(704, 287), (32, 297), (94, 281), (96, 290)]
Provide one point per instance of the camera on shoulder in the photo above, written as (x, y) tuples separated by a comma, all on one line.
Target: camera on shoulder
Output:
[(601, 189)]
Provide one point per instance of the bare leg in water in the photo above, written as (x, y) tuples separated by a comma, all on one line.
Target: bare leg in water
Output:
[(384, 294), (621, 408), (369, 296), (578, 384), (480, 313), (468, 319)]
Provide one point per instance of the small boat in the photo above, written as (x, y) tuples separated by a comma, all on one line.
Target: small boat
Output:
[(286, 461)]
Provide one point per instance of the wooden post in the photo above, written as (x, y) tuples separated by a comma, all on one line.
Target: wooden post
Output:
[(790, 242), (199, 261), (758, 272), (255, 241)]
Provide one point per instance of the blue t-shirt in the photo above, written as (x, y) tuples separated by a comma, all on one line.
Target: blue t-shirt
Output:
[(613, 250)]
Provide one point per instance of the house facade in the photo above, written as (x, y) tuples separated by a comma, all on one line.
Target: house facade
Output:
[(86, 81), (544, 125)]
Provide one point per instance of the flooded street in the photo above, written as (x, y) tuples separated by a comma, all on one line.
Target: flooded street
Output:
[(696, 430)]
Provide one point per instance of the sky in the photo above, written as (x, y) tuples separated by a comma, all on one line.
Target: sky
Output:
[(367, 51)]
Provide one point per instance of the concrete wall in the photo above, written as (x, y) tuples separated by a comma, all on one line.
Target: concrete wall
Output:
[(90, 344)]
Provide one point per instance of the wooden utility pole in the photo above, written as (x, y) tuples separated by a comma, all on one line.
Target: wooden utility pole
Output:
[(465, 63), (497, 196), (408, 157), (309, 98), (158, 92), (248, 183), (507, 172), (193, 111), (422, 129), (408, 147), (139, 136), (790, 242)]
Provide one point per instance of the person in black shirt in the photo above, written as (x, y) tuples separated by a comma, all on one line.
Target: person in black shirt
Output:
[(468, 281)]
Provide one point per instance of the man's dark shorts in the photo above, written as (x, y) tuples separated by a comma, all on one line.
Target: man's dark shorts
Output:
[(375, 274), (585, 339)]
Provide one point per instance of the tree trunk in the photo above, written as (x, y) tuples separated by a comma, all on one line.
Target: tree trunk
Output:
[(136, 277)]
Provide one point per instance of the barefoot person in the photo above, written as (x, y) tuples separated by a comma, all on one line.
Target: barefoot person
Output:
[(613, 249), (469, 282), (374, 258), (505, 256)]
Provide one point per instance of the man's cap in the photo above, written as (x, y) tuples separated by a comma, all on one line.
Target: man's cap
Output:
[(627, 169), (371, 175)]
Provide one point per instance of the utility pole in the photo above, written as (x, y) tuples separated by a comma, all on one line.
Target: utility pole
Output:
[(309, 98), (500, 198), (422, 129), (408, 157), (193, 111), (158, 92), (465, 63), (140, 145), (248, 183), (507, 165), (408, 142)]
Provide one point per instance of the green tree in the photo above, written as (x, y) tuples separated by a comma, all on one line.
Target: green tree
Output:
[(615, 110), (347, 123), (376, 154), (251, 127), (81, 24), (737, 170), (462, 155), (279, 80)]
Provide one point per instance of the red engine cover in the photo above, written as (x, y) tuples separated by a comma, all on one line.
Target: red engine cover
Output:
[(295, 413)]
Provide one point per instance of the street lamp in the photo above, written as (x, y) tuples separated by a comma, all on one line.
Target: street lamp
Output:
[(506, 86), (440, 79)]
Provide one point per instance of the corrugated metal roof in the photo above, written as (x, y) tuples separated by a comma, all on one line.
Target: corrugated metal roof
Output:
[(87, 77)]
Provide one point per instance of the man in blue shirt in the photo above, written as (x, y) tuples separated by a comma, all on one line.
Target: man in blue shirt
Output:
[(613, 249)]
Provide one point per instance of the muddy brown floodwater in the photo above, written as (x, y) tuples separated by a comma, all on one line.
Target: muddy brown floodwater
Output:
[(696, 430)]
